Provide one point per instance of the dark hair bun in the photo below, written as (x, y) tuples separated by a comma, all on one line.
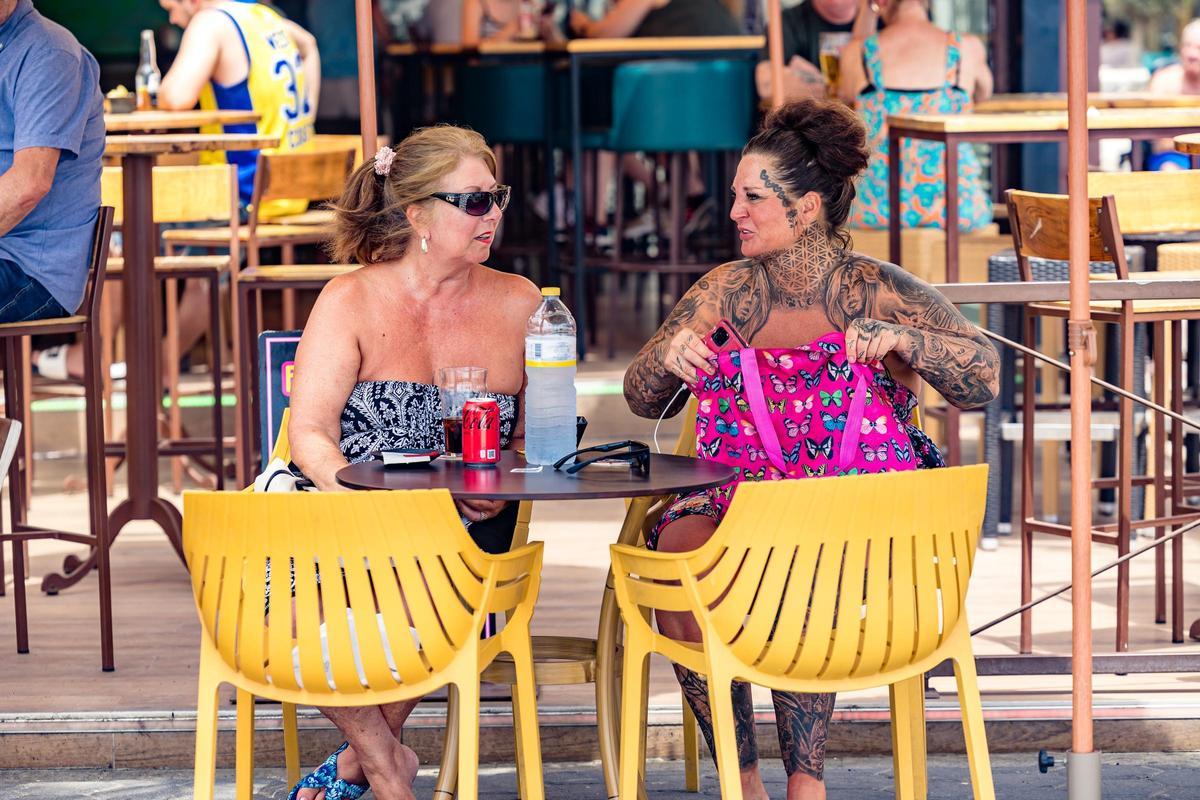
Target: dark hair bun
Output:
[(832, 132), (816, 146)]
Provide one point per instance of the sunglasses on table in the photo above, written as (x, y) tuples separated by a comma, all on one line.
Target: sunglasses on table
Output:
[(477, 203), (636, 453)]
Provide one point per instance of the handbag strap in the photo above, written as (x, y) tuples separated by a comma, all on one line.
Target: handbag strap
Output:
[(758, 409), (766, 426)]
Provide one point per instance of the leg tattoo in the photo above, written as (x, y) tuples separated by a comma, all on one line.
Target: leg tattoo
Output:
[(695, 689), (803, 724)]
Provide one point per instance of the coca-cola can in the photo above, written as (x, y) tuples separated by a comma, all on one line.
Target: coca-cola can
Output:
[(481, 432)]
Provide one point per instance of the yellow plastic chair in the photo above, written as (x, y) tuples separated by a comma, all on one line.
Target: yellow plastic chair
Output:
[(448, 775), (405, 555), (823, 585)]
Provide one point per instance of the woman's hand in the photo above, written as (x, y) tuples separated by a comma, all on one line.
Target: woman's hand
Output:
[(687, 355), (479, 510), (871, 340)]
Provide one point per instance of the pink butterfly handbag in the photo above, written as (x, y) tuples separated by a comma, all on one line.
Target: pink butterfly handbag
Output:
[(799, 413)]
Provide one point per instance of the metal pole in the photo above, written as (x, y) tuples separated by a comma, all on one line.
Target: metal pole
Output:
[(365, 32), (775, 50), (1083, 766)]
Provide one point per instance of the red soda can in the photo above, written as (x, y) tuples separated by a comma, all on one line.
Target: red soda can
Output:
[(481, 432)]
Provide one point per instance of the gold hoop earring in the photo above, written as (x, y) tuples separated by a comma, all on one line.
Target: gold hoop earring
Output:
[(424, 245)]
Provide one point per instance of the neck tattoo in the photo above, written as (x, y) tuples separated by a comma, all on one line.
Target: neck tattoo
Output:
[(795, 273)]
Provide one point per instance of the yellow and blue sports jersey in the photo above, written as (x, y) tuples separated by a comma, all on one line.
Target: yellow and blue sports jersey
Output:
[(274, 87)]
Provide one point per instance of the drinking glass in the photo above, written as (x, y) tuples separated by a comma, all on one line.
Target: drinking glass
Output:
[(456, 385), (830, 44)]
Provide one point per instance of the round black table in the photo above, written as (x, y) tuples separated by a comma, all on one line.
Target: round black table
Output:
[(668, 475)]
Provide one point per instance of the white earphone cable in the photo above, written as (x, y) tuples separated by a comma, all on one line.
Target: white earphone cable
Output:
[(682, 388)]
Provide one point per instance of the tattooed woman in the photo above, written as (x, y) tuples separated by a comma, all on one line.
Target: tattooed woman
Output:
[(799, 280)]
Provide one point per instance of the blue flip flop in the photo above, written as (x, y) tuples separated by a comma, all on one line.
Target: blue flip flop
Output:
[(325, 777)]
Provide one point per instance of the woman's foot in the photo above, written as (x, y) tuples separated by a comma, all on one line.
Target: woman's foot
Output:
[(341, 777), (349, 777), (393, 780)]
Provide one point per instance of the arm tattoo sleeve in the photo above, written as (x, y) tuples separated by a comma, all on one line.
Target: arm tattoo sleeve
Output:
[(739, 292), (940, 344)]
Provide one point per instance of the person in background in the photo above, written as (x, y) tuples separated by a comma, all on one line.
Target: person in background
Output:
[(658, 18), (234, 54), (913, 66), (241, 55), (51, 143), (803, 26), (499, 21), (1177, 79), (1117, 49), (421, 220)]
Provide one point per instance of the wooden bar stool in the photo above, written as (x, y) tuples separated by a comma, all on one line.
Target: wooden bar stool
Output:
[(86, 323), (187, 195), (1039, 226)]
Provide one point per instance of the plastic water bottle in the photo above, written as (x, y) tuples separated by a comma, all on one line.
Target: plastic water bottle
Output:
[(550, 393)]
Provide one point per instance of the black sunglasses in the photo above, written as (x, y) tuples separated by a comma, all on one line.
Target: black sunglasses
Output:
[(477, 203), (636, 453)]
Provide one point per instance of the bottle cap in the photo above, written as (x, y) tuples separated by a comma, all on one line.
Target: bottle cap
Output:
[(551, 291)]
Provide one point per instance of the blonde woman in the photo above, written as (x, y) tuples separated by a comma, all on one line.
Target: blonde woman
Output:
[(421, 220)]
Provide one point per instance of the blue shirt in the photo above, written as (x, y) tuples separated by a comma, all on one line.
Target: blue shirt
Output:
[(50, 97)]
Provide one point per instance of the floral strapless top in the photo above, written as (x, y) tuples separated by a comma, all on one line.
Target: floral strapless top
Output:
[(381, 415)]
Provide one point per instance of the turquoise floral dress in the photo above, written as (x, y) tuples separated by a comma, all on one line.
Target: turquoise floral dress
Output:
[(923, 178)]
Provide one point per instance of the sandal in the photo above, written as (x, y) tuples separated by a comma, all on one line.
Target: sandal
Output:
[(325, 777)]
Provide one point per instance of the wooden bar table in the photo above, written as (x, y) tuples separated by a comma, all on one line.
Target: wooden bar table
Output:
[(143, 331), (1012, 128), (159, 120), (1007, 128), (668, 475), (1057, 101)]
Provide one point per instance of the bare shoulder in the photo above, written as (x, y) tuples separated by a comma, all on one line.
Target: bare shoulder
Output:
[(973, 46), (211, 24), (343, 299), (1169, 79), (510, 291)]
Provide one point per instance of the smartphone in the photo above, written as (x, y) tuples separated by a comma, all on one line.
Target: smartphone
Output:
[(724, 337)]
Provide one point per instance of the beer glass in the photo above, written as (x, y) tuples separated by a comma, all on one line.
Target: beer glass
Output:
[(455, 386), (831, 44)]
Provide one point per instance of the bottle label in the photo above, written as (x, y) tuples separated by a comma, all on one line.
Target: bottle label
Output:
[(549, 351)]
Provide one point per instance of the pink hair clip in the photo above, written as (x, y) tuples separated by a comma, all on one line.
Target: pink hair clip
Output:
[(383, 160)]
